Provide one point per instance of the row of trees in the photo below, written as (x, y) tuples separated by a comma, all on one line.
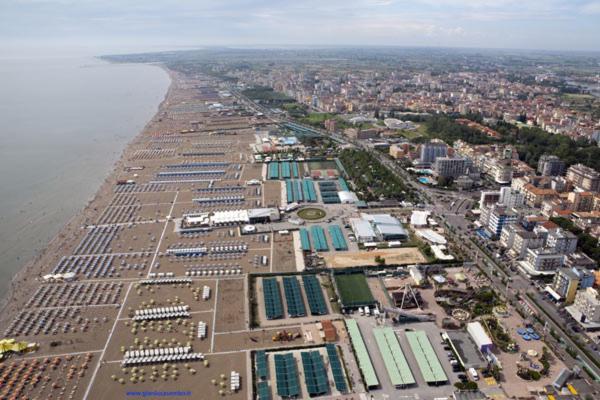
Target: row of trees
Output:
[(372, 180)]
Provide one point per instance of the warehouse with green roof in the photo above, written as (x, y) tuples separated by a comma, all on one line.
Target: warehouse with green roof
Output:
[(393, 357), (362, 355)]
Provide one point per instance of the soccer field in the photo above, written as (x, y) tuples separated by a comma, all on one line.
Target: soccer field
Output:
[(354, 290)]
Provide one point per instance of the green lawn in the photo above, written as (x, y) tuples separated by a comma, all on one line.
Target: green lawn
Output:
[(410, 135), (353, 289)]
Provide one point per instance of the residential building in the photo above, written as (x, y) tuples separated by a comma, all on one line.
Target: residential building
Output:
[(584, 178), (507, 236), (581, 201), (580, 260), (549, 165), (535, 196), (586, 220), (511, 198), (567, 281), (489, 198), (561, 241), (588, 304), (542, 262), (431, 151), (499, 170), (523, 240), (449, 167), (495, 217), (361, 134)]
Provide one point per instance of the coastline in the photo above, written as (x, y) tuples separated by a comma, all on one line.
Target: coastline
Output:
[(24, 281)]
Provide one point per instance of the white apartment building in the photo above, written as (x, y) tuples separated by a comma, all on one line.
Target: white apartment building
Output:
[(541, 262)]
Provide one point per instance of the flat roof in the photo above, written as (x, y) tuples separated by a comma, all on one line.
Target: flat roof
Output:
[(431, 235), (362, 228), (362, 354), (393, 357), (419, 217), (383, 219), (478, 334), (385, 229), (429, 364), (468, 354)]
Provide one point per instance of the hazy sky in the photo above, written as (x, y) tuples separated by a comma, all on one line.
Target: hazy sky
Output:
[(126, 25)]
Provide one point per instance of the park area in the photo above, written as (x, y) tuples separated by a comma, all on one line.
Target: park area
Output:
[(353, 290)]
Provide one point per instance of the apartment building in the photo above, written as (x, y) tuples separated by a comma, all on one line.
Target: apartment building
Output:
[(494, 218), (449, 167), (584, 178), (431, 151), (588, 304), (549, 165), (567, 281), (541, 262), (561, 241)]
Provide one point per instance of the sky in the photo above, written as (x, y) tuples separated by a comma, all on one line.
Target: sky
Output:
[(100, 26)]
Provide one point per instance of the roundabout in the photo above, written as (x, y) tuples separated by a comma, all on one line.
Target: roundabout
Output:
[(311, 213)]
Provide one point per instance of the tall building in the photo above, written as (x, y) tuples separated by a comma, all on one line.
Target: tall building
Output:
[(494, 218), (511, 198), (542, 262), (449, 167), (588, 304), (488, 198), (561, 241), (431, 151), (567, 281), (499, 170), (584, 178), (549, 165), (581, 201), (524, 240)]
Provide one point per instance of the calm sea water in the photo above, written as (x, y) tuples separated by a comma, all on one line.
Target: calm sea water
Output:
[(63, 124)]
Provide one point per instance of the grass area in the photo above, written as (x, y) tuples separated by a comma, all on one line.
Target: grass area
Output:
[(266, 95), (577, 96), (316, 119), (353, 289), (411, 135), (311, 213)]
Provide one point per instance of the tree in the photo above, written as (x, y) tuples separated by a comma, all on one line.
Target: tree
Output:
[(445, 181), (380, 260)]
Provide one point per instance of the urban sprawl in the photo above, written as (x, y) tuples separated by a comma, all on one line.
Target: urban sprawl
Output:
[(332, 224)]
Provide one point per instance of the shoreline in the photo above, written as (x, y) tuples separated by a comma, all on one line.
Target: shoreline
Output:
[(26, 277)]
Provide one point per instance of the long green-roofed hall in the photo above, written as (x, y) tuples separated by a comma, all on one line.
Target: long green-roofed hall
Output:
[(428, 362), (393, 357), (362, 355)]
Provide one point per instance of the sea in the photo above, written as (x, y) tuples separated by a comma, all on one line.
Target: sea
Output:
[(64, 122)]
